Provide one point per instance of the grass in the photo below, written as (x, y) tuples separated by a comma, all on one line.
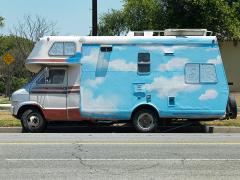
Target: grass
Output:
[(7, 120), (231, 122), (4, 100)]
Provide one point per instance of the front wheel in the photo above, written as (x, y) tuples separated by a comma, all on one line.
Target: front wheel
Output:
[(33, 121), (145, 120)]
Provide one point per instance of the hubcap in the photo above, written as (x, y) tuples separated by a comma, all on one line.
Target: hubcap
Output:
[(33, 121), (145, 121)]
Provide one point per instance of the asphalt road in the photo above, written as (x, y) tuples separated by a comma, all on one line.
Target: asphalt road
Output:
[(119, 156)]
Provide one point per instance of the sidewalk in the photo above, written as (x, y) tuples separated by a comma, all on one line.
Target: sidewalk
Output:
[(5, 106)]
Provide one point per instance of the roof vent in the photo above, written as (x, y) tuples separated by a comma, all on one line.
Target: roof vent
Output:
[(187, 32), (172, 32), (145, 33)]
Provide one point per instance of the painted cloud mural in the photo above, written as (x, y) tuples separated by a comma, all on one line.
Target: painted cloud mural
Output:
[(216, 61), (165, 49), (98, 104), (96, 82), (209, 94), (170, 86), (173, 64), (91, 58), (122, 65)]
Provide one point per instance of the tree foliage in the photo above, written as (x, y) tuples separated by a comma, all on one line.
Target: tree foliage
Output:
[(220, 16), (20, 43), (143, 14), (112, 23), (1, 21)]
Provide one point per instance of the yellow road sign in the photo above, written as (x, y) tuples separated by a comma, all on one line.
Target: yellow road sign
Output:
[(8, 58)]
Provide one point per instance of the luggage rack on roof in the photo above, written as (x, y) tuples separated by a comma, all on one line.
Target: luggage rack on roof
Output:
[(172, 32)]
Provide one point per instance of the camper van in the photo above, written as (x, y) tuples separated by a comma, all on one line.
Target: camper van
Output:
[(143, 78)]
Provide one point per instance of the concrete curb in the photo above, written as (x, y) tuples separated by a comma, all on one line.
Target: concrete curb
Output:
[(195, 129), (222, 129), (10, 129), (5, 107)]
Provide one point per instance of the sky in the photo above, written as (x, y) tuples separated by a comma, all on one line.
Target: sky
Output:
[(73, 17)]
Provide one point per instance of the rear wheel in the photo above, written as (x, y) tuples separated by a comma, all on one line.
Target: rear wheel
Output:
[(33, 121), (232, 107), (145, 120)]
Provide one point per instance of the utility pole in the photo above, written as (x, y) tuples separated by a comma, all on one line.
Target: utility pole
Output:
[(94, 18)]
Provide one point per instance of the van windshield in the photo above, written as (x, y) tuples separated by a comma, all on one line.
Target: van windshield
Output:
[(35, 75)]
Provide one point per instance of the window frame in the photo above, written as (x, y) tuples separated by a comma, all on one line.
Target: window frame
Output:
[(64, 55), (199, 79), (106, 49), (214, 72), (144, 63), (64, 84)]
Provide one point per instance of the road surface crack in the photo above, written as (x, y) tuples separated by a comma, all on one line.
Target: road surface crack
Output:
[(77, 155)]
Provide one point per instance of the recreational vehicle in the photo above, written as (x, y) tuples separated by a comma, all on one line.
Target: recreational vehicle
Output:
[(143, 77)]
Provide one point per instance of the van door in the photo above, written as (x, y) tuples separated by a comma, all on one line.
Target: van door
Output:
[(50, 92)]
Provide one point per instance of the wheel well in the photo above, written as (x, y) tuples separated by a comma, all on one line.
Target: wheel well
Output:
[(26, 107), (145, 106)]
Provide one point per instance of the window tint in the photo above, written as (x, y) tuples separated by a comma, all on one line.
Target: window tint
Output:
[(57, 49), (41, 80), (200, 73), (106, 49), (143, 62), (208, 73), (69, 48), (56, 76), (103, 61), (192, 73), (63, 49)]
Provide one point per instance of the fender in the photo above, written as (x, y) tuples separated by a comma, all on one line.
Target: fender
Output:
[(145, 104), (26, 103)]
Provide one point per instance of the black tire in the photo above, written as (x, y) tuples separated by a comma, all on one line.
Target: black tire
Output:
[(32, 121), (232, 106), (145, 120)]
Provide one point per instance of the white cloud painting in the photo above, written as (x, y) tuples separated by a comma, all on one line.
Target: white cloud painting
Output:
[(216, 61), (170, 86), (212, 49), (173, 64), (209, 94), (120, 48), (98, 104), (165, 49), (95, 82), (92, 58), (122, 65)]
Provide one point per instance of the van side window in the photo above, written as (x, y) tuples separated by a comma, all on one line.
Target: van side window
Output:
[(208, 73), (56, 49), (192, 73), (200, 73), (143, 63), (69, 48), (56, 77), (103, 60), (63, 49)]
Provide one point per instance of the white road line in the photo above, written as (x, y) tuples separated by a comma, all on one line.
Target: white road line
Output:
[(122, 159), (119, 143)]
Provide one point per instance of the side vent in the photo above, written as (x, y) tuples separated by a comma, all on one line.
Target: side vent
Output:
[(169, 54), (171, 101)]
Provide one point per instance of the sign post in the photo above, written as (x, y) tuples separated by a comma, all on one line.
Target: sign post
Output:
[(8, 59)]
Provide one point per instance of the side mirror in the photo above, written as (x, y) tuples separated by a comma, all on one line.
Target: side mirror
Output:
[(46, 72)]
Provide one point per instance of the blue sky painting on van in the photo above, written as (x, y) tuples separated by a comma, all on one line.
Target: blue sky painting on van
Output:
[(184, 80)]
